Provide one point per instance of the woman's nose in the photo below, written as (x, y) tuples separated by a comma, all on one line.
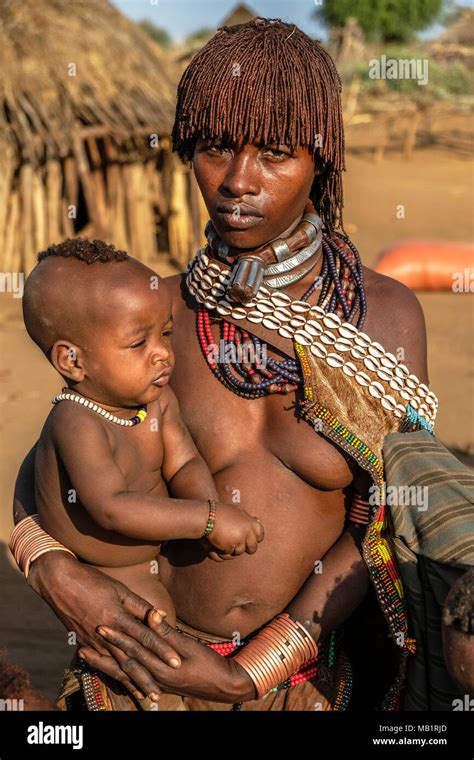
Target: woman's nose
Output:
[(240, 179)]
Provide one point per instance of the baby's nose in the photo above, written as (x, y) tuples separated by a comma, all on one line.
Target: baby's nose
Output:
[(161, 355)]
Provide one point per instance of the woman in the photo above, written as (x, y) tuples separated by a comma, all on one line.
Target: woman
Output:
[(259, 114)]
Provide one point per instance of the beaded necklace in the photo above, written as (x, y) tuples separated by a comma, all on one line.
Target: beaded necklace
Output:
[(66, 395), (342, 269)]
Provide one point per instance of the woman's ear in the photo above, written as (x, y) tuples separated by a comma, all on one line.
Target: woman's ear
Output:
[(67, 359)]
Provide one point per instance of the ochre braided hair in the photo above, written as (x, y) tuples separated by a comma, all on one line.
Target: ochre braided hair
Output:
[(267, 81)]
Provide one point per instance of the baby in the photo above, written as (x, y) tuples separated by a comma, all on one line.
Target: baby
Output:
[(117, 472)]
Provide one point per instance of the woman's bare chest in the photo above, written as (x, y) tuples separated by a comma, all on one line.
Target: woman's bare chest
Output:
[(228, 429)]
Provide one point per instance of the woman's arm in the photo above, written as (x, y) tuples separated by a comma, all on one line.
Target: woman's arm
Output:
[(329, 597)]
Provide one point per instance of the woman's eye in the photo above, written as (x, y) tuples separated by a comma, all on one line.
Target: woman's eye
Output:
[(218, 148), (138, 343), (276, 152)]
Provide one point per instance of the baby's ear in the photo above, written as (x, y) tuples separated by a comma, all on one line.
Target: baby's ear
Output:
[(66, 358)]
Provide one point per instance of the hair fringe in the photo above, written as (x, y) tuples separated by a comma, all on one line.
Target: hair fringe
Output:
[(286, 89)]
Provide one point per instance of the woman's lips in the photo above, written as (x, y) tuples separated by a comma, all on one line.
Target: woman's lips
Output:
[(239, 222)]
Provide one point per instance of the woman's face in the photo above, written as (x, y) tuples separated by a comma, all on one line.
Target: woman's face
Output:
[(253, 193)]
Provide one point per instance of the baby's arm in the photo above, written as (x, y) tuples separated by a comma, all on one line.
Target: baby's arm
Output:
[(184, 470), (188, 476), (84, 448)]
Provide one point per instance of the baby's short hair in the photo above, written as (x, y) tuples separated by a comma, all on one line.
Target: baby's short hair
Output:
[(50, 310), (86, 250)]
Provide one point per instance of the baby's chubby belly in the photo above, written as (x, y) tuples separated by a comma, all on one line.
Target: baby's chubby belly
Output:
[(301, 524), (142, 579)]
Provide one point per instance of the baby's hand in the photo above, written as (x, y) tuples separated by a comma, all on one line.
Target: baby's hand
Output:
[(234, 532)]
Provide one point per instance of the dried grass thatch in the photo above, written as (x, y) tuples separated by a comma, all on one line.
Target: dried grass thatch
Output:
[(86, 108), (240, 14), (457, 40)]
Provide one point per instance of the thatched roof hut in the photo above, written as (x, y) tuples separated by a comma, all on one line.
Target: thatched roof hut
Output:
[(461, 30), (457, 41), (241, 14), (86, 109)]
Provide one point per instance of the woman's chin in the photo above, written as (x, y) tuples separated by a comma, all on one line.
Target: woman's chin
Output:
[(244, 239)]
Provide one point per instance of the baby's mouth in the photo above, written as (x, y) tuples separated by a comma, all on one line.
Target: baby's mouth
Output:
[(162, 379)]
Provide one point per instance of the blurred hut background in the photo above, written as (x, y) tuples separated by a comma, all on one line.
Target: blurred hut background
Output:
[(86, 109), (400, 114), (85, 129)]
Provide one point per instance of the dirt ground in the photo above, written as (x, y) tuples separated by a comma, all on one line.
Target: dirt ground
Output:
[(436, 189)]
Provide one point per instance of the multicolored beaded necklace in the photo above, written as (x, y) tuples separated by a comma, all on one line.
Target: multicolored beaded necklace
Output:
[(342, 292)]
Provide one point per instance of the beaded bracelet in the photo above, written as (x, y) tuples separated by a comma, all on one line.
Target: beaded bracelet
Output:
[(28, 541), (211, 520), (276, 652)]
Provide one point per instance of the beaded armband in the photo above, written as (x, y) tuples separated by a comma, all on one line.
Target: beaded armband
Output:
[(28, 541)]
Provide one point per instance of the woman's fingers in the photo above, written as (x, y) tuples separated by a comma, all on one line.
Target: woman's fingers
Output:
[(134, 604), (159, 628), (148, 639), (142, 679), (106, 664), (147, 650)]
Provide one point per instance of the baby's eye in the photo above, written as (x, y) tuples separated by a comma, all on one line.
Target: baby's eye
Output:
[(167, 332), (138, 343)]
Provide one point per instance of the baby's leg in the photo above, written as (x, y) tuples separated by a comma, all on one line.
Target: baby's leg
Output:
[(144, 581)]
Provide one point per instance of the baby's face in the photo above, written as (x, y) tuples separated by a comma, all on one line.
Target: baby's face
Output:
[(128, 356)]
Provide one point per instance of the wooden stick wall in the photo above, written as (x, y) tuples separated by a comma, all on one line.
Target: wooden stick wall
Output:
[(124, 199)]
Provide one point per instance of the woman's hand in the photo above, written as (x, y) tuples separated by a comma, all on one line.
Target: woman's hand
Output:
[(203, 673), (84, 598)]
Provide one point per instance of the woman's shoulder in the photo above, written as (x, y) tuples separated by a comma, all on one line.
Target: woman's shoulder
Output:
[(383, 290), (395, 319)]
